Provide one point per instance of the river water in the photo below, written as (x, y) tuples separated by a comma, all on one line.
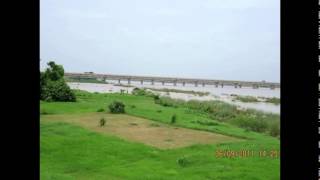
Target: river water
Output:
[(216, 93)]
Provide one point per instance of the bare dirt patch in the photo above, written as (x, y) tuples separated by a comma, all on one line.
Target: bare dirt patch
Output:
[(137, 129)]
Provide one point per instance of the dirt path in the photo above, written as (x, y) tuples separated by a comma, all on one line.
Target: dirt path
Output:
[(162, 136)]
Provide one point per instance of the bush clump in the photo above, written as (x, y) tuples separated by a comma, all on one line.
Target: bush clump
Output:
[(57, 91), (117, 107), (156, 98), (183, 161), (53, 86), (100, 110), (246, 98), (168, 102), (142, 92), (133, 106), (273, 100), (102, 122), (275, 129), (173, 119), (44, 112), (257, 125), (250, 120), (139, 92)]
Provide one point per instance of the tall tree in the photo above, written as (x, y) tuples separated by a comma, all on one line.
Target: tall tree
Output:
[(52, 84), (54, 72)]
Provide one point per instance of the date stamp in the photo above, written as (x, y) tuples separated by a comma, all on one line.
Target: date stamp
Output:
[(247, 153)]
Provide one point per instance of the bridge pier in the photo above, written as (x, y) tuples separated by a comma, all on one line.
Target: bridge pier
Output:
[(240, 86), (152, 82), (129, 81), (162, 83), (216, 84), (175, 83), (183, 83), (196, 84), (141, 82), (203, 84), (119, 81), (235, 85), (221, 85)]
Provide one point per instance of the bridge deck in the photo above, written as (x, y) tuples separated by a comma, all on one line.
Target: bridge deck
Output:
[(172, 80)]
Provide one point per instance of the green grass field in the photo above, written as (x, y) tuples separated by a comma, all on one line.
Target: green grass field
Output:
[(71, 151)]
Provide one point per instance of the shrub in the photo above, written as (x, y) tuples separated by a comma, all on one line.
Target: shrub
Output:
[(100, 110), (44, 112), (57, 91), (133, 106), (168, 102), (273, 100), (250, 120), (142, 92), (102, 122), (159, 111), (250, 123), (117, 107), (139, 92), (275, 129), (173, 119), (156, 97), (53, 86), (183, 161), (246, 98), (260, 125)]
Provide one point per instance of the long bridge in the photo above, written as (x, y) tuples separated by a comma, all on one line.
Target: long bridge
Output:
[(174, 81)]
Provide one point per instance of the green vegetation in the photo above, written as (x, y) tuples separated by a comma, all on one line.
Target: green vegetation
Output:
[(52, 85), (43, 112), (132, 106), (220, 111), (275, 129), (168, 102), (173, 119), (68, 151), (122, 91), (100, 110), (206, 123), (183, 161), (142, 92), (181, 91), (102, 122), (273, 100), (117, 107), (246, 98)]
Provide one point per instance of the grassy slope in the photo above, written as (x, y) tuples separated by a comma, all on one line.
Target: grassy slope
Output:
[(71, 152)]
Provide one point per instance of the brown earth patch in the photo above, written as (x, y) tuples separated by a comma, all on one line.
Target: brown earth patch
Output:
[(137, 129)]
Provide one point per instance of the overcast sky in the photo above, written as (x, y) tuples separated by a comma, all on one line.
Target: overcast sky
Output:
[(215, 39)]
